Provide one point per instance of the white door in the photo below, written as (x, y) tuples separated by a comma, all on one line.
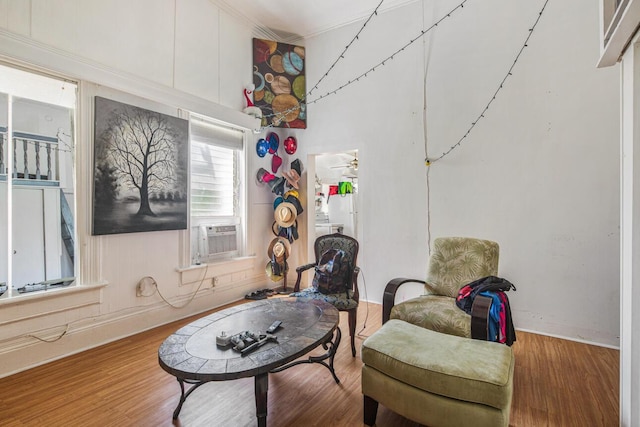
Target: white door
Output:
[(36, 235)]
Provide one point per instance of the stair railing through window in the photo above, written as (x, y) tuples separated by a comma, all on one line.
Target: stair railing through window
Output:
[(29, 166)]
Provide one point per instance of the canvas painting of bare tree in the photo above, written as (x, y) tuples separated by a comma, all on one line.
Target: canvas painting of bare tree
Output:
[(140, 169)]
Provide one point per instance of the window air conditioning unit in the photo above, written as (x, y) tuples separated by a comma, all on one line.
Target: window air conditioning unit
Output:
[(218, 240)]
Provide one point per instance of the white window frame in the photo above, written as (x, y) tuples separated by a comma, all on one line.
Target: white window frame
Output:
[(207, 130), (11, 291), (618, 24)]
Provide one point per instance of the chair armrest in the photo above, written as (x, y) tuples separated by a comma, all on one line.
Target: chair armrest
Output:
[(389, 296), (300, 270), (305, 267), (480, 317)]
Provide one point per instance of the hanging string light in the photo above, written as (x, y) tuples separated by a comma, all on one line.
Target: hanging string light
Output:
[(280, 115), (392, 56), (509, 73), (341, 56)]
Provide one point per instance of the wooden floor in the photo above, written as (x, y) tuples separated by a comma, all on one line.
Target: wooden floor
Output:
[(556, 383)]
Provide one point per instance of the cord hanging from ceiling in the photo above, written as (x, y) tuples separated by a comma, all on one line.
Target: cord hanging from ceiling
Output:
[(429, 161)]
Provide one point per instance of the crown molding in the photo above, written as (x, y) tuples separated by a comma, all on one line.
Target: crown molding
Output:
[(260, 30), (387, 6)]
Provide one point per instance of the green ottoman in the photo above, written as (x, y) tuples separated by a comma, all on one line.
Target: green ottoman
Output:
[(436, 379)]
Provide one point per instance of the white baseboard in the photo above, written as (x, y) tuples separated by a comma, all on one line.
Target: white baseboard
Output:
[(568, 338)]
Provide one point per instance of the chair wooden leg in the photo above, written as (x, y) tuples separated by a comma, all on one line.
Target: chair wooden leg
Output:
[(352, 330), (370, 410)]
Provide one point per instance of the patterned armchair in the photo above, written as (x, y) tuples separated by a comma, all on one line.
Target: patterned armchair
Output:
[(342, 301), (455, 262)]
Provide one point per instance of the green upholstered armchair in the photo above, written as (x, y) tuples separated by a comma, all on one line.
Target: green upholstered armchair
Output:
[(345, 301), (455, 262)]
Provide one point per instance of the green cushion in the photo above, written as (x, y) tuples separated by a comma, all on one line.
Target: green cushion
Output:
[(459, 368), (456, 261), (434, 312), (426, 408)]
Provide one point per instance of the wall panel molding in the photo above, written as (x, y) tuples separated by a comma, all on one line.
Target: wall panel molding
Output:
[(15, 47)]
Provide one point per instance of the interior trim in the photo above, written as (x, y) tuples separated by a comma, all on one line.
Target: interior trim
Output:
[(616, 38), (32, 52)]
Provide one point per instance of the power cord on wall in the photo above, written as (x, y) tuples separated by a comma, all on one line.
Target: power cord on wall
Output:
[(66, 329), (427, 60), (67, 326), (155, 284), (366, 316)]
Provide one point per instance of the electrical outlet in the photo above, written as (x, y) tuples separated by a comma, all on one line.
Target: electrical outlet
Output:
[(146, 287)]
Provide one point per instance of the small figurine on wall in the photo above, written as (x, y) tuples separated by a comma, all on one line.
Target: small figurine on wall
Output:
[(251, 109)]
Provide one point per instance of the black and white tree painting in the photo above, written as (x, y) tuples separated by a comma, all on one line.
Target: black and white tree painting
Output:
[(141, 169)]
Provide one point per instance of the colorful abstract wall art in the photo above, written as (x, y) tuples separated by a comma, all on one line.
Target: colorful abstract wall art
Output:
[(279, 78)]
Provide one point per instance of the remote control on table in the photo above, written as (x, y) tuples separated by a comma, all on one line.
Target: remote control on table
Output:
[(275, 325)]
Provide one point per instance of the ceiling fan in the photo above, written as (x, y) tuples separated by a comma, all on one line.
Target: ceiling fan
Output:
[(353, 164)]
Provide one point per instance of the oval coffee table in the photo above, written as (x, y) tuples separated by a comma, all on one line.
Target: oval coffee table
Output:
[(192, 356)]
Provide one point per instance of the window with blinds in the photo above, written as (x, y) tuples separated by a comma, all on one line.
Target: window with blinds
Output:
[(213, 180), (217, 196)]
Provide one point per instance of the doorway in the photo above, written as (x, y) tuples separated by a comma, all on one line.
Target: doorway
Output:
[(336, 193)]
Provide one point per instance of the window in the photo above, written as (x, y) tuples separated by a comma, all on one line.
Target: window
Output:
[(217, 191), (37, 194), (618, 24)]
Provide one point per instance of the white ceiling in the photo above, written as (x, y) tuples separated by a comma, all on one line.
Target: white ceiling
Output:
[(292, 20)]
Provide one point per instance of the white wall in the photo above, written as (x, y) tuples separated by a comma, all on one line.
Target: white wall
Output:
[(539, 174), (183, 50)]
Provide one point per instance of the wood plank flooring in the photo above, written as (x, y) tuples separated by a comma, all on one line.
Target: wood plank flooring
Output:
[(556, 383)]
